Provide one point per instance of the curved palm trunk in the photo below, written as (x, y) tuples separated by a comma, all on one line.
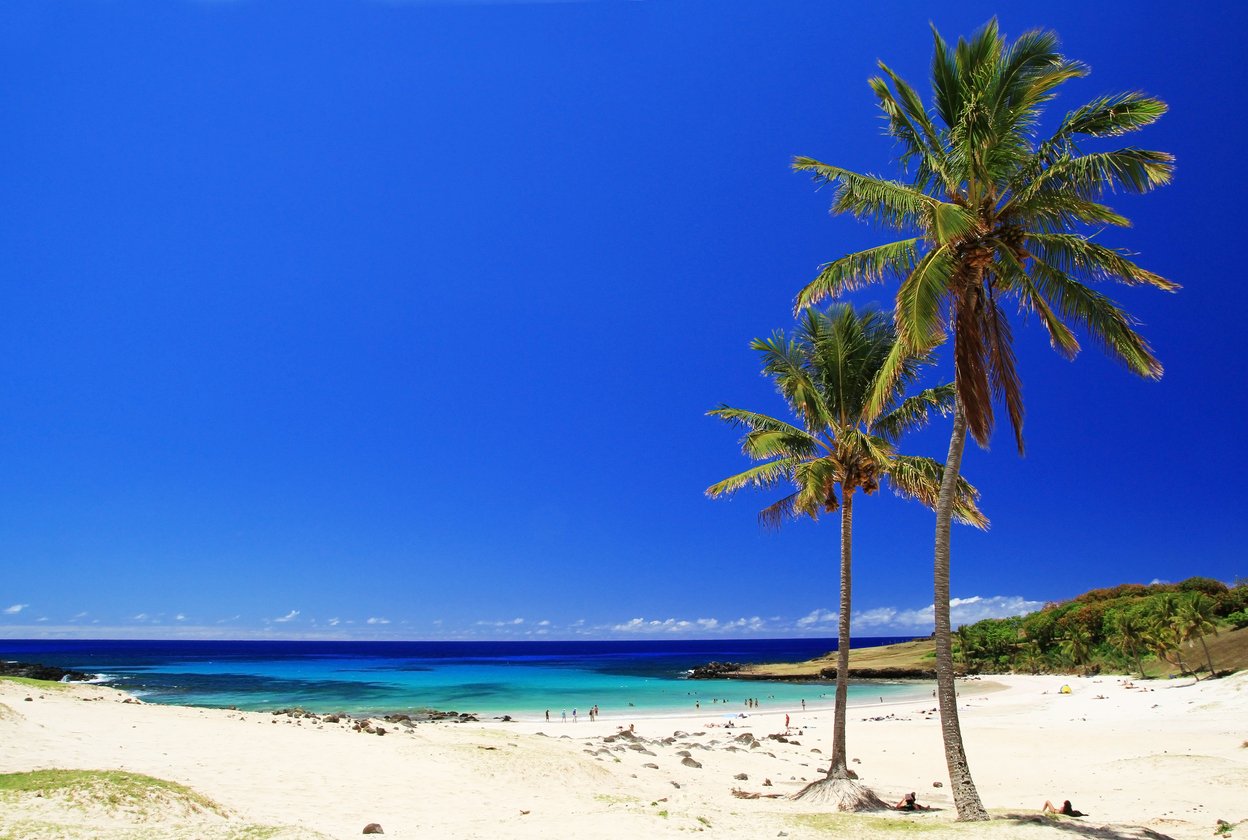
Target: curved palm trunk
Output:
[(1139, 664), (840, 767), (965, 797)]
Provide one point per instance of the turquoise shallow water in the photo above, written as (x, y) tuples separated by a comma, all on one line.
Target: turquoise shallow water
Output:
[(520, 679)]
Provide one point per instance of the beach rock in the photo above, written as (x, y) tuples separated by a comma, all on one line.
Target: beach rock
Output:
[(714, 670), (741, 777), (651, 765), (373, 828), (380, 730), (691, 762), (35, 671), (938, 784)]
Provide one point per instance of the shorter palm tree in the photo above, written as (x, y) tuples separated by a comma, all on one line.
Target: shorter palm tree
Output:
[(826, 373)]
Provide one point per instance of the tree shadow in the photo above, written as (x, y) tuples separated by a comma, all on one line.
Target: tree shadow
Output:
[(1085, 829)]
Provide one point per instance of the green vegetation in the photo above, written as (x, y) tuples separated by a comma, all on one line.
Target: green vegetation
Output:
[(990, 212), (42, 685), (1127, 628), (827, 373), (849, 825), (109, 788)]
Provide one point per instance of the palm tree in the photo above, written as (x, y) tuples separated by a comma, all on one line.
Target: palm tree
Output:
[(1163, 635), (1129, 633), (1077, 645), (1195, 618), (992, 212), (826, 373)]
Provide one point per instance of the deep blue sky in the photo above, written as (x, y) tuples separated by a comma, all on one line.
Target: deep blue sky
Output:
[(317, 314)]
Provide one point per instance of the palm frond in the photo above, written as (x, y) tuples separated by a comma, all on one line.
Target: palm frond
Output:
[(918, 314), (779, 512), (914, 412), (890, 203), (918, 478), (970, 364), (1092, 175), (1002, 368), (1057, 211), (853, 271), (1111, 116), (764, 475), (758, 422), (1075, 254), (785, 362), (1109, 325), (1012, 272)]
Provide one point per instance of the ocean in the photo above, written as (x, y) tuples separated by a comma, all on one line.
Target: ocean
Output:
[(522, 679)]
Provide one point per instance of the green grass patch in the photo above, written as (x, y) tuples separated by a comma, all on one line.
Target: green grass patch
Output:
[(110, 788), (614, 799), (42, 685), (851, 824)]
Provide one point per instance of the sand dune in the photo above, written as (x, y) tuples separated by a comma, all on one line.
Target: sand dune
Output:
[(1160, 759)]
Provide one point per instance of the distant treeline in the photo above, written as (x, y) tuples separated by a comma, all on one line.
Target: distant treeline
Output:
[(1125, 628)]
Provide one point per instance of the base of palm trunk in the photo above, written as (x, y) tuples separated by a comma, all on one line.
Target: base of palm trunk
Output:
[(842, 794)]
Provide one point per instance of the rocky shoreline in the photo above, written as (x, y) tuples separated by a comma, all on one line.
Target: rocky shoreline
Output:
[(35, 671), (739, 671)]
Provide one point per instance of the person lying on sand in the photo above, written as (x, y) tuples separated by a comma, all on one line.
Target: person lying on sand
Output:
[(907, 803), (1066, 810)]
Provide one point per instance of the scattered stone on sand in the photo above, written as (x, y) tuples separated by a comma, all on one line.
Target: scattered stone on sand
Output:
[(373, 828)]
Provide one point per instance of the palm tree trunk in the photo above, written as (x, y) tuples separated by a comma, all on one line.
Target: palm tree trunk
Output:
[(1138, 662), (1208, 658), (965, 796), (840, 767)]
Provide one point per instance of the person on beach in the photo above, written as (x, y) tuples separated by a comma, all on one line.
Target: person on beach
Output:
[(548, 715), (908, 803), (564, 713), (1066, 810), (786, 721)]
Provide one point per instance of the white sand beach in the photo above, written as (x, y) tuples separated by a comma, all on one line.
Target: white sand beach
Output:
[(1160, 759)]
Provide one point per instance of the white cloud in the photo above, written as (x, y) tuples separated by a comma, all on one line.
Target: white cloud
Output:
[(333, 622), (681, 625), (818, 617), (15, 609), (379, 621), (179, 617), (141, 617), (290, 616), (961, 611)]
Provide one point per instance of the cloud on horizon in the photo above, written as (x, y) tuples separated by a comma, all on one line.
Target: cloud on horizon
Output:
[(290, 616), (15, 609)]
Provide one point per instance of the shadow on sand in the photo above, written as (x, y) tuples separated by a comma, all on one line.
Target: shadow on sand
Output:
[(1080, 828)]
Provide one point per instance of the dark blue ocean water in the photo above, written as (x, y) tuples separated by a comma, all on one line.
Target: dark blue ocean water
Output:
[(518, 678)]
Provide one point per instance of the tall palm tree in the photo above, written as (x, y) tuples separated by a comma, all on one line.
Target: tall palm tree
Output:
[(1077, 646), (826, 373), (1195, 619), (1129, 632), (993, 212)]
